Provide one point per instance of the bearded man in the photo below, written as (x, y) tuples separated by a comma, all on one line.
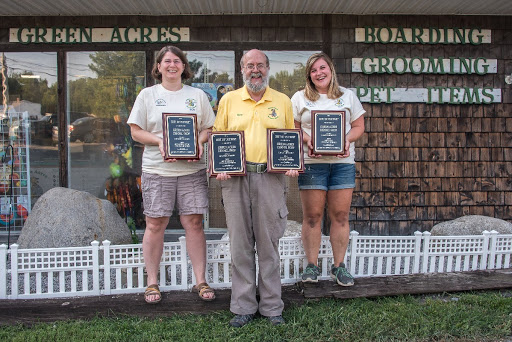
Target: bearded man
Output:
[(255, 204)]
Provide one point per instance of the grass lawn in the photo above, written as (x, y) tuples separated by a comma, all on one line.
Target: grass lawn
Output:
[(469, 316)]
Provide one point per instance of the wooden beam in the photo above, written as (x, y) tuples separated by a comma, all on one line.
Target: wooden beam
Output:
[(62, 110), (412, 284)]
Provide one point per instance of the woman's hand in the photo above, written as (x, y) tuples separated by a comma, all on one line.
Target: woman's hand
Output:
[(223, 176), (346, 153), (292, 173), (307, 139)]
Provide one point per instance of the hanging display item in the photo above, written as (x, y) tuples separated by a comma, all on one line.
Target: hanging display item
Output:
[(14, 171)]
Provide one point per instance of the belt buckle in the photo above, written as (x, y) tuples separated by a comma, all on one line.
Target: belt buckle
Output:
[(261, 168)]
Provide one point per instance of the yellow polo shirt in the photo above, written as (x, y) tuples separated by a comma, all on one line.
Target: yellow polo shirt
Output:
[(239, 112)]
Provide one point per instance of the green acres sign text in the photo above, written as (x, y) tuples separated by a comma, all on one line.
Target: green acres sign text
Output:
[(83, 35)]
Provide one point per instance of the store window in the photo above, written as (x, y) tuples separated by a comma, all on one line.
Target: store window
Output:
[(102, 87), (288, 70), (214, 72), (28, 112), (103, 159)]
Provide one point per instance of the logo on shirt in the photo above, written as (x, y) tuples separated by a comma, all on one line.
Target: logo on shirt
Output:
[(160, 102), (191, 104), (310, 104), (273, 113), (339, 102), (239, 114)]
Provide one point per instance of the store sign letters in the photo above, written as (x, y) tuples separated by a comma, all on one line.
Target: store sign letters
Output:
[(429, 95), (418, 35), (433, 65), (83, 35)]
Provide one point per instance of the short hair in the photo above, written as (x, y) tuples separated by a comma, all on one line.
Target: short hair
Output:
[(310, 92), (187, 72)]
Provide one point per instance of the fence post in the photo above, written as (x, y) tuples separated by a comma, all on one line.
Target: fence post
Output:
[(426, 247), (492, 249), (353, 248), (95, 267), (485, 250), (14, 271), (417, 252), (3, 271), (106, 267), (184, 263)]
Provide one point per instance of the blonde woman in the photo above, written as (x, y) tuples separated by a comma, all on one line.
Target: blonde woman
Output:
[(327, 179)]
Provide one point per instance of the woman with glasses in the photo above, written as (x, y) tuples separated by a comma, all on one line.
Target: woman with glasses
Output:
[(172, 182)]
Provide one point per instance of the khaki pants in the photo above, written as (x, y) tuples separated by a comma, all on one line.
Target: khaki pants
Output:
[(256, 213)]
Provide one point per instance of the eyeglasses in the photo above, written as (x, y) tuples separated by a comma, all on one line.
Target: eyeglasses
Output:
[(260, 66)]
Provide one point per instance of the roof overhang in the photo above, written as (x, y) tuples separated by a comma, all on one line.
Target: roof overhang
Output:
[(239, 7)]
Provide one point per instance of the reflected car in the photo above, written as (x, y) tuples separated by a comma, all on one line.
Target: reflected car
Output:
[(42, 129), (92, 129), (82, 129), (73, 117)]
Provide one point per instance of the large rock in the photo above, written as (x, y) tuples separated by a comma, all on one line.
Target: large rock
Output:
[(471, 225), (293, 229), (64, 217)]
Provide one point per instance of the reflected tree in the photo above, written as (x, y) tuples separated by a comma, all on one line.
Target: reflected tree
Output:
[(34, 90), (120, 77), (202, 74), (289, 83)]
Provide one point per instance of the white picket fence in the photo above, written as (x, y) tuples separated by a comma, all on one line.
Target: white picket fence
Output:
[(116, 269)]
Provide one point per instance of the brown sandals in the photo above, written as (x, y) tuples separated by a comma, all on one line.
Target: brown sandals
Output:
[(203, 288), (152, 290)]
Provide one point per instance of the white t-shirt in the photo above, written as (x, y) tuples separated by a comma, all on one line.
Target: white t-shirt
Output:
[(348, 102), (147, 114)]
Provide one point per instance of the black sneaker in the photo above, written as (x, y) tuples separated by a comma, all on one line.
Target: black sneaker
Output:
[(240, 320), (276, 320), (311, 274), (342, 276)]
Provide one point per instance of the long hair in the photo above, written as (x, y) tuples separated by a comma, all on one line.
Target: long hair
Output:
[(310, 92), (187, 73)]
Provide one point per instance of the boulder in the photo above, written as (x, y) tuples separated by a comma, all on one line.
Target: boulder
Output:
[(64, 217), (293, 229), (471, 225)]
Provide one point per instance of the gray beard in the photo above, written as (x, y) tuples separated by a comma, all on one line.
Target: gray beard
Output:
[(255, 88)]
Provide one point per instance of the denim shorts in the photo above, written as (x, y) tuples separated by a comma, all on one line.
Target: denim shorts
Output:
[(328, 177)]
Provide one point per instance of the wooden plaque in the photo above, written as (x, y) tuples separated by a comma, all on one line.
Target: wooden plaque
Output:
[(328, 131), (180, 136), (285, 150), (226, 153)]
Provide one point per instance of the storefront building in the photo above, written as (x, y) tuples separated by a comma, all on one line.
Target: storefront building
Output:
[(434, 80)]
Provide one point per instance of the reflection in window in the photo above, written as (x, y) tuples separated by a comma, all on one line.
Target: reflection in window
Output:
[(28, 112), (103, 159), (214, 72), (288, 70)]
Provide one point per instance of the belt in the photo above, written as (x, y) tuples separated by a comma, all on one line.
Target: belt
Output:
[(254, 167)]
